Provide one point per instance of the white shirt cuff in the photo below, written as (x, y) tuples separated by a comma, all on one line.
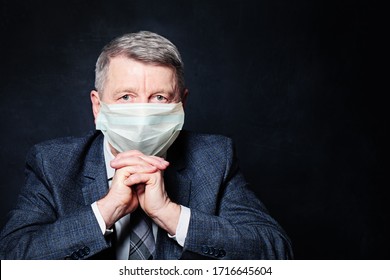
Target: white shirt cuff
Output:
[(182, 227), (99, 218)]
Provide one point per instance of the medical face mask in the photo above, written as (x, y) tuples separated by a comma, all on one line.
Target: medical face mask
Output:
[(150, 128)]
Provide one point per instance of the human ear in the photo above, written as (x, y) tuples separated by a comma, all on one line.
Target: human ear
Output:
[(95, 100), (184, 97)]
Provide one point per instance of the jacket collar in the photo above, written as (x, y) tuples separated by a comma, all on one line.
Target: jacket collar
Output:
[(94, 174), (177, 179)]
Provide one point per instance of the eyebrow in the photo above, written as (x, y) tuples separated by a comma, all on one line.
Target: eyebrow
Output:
[(120, 90), (132, 90)]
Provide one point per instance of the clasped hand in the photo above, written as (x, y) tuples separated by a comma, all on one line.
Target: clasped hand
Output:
[(138, 182)]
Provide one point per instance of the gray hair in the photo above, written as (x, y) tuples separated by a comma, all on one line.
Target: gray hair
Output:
[(143, 46)]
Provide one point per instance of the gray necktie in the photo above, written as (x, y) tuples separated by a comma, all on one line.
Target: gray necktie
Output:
[(142, 243)]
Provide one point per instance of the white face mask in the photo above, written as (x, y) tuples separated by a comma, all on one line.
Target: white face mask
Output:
[(150, 128)]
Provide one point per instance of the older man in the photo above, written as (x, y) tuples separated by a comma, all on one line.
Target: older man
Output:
[(139, 187)]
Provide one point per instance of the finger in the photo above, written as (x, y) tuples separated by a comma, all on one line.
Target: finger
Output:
[(138, 178), (141, 169), (160, 163), (124, 172), (129, 153), (129, 161), (141, 159)]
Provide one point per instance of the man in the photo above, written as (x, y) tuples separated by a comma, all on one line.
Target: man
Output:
[(136, 188)]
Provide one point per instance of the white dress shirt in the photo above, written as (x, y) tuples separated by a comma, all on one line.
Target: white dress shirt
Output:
[(122, 225)]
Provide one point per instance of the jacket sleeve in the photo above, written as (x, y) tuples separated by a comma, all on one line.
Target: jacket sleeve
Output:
[(45, 226), (239, 226)]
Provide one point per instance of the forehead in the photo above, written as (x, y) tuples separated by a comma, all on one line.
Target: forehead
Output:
[(122, 69)]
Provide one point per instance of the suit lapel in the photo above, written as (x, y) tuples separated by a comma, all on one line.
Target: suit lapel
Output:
[(94, 175), (178, 189)]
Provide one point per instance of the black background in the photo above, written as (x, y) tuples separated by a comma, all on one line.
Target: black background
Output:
[(296, 84)]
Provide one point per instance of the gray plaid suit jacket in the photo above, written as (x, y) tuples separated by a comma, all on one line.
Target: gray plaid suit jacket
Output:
[(53, 218)]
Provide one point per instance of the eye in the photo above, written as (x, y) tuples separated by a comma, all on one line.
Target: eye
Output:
[(125, 97), (160, 98)]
